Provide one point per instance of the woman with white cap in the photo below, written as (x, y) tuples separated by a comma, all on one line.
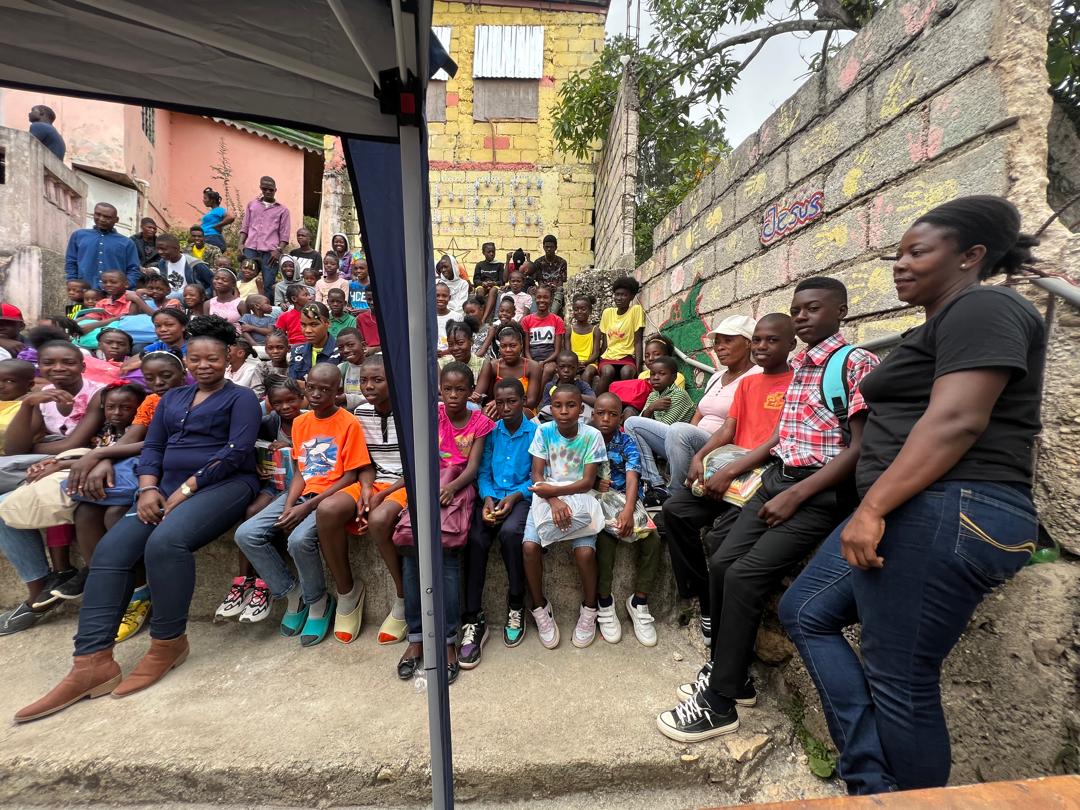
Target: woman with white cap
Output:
[(678, 442)]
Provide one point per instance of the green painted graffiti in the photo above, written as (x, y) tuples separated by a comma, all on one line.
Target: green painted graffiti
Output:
[(686, 329)]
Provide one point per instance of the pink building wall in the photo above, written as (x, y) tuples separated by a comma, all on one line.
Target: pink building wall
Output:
[(172, 171)]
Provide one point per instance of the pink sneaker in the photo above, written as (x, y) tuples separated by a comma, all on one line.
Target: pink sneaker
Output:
[(236, 599), (585, 630), (546, 627)]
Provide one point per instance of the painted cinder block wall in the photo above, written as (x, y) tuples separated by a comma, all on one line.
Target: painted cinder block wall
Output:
[(464, 152)]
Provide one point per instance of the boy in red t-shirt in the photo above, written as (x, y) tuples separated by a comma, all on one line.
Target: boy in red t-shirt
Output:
[(333, 472), (543, 334), (289, 322), (368, 326)]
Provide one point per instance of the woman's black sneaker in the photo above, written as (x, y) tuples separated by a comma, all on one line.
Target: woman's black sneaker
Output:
[(694, 721), (73, 588), (52, 582)]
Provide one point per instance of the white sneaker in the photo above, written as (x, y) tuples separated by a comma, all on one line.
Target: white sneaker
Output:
[(610, 626), (643, 622), (585, 630), (236, 599), (258, 606), (546, 627)]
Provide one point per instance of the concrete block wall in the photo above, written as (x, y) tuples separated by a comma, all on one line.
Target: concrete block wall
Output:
[(934, 99), (51, 200), (478, 168), (616, 182)]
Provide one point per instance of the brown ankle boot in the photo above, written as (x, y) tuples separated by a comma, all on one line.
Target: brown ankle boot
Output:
[(91, 676), (159, 659)]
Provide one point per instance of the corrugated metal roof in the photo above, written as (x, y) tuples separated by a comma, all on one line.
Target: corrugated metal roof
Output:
[(508, 52), (290, 137), (442, 33)]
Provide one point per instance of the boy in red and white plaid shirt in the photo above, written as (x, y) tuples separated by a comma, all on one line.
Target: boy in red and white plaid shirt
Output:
[(811, 457)]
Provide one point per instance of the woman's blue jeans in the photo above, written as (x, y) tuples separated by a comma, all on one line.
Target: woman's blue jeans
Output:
[(944, 550), (169, 551), (451, 593)]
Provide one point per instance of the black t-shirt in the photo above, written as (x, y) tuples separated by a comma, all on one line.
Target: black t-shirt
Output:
[(50, 136), (305, 259), (488, 271), (983, 327)]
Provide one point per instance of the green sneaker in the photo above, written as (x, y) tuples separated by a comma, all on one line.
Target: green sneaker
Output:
[(514, 631)]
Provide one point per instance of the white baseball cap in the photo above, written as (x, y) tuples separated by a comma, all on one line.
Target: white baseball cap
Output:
[(742, 325)]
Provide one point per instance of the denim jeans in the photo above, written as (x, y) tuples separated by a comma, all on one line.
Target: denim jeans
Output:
[(481, 536), (25, 550), (169, 552), (269, 272), (451, 594), (255, 538), (216, 241), (944, 550), (649, 435), (681, 444)]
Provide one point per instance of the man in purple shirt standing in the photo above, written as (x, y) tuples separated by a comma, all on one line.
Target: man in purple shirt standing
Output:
[(265, 232)]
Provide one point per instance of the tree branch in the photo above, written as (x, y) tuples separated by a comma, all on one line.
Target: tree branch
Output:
[(834, 10)]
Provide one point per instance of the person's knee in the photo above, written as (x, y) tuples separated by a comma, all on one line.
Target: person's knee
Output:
[(166, 544), (335, 511), (789, 610), (302, 542), (585, 555), (532, 552), (383, 519)]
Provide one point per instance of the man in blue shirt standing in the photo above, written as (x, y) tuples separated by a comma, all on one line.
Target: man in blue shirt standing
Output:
[(41, 127), (91, 251), (504, 478)]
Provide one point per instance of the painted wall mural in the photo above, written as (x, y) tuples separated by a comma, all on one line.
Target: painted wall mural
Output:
[(781, 220)]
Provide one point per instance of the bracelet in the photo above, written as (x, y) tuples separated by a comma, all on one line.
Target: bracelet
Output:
[(141, 490)]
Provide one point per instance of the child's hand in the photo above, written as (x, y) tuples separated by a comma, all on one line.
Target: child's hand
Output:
[(717, 483), (543, 490), (604, 485), (446, 494), (661, 404), (131, 295), (624, 523), (292, 517), (490, 512), (696, 472), (40, 469), (502, 509), (490, 411), (560, 514)]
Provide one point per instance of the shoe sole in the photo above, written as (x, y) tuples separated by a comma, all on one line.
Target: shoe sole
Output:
[(701, 736), (387, 639), (52, 600), (359, 622), (746, 703), (476, 663), (98, 691), (554, 643), (588, 643), (259, 618)]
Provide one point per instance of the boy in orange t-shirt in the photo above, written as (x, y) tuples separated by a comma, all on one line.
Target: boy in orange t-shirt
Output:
[(333, 472)]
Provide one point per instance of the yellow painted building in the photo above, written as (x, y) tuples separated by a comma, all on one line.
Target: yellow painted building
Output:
[(495, 173)]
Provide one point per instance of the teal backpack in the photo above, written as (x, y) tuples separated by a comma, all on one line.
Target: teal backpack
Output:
[(835, 391)]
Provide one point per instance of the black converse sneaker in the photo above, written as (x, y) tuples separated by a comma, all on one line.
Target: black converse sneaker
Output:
[(694, 721), (746, 696)]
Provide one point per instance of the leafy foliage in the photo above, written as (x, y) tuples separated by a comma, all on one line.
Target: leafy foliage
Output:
[(1063, 57)]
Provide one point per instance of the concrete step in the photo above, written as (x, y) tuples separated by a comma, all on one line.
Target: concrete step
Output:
[(254, 719)]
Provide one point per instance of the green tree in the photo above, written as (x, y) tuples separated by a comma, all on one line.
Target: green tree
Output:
[(686, 67)]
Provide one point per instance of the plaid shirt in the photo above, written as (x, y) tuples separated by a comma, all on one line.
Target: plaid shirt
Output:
[(810, 434)]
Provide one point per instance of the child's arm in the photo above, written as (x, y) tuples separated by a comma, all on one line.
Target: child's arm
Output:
[(588, 395), (483, 381), (527, 350), (558, 345), (260, 330), (599, 346), (296, 489), (468, 475), (533, 372), (548, 490), (487, 342), (624, 523), (639, 337), (138, 305)]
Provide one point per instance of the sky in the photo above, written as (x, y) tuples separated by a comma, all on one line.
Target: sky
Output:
[(771, 78)]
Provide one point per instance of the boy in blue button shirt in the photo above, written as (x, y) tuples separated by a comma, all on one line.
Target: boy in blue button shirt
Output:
[(504, 479)]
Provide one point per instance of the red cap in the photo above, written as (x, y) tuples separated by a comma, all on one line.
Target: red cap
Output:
[(10, 312)]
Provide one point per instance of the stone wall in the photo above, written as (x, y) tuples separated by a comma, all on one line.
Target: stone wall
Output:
[(616, 182), (50, 199)]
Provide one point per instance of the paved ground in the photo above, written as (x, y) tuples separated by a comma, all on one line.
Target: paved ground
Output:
[(253, 718)]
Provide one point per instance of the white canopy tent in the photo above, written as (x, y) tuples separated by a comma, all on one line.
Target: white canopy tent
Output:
[(354, 68)]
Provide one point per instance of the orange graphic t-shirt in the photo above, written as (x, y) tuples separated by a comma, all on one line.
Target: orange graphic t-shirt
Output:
[(758, 401), (324, 449)]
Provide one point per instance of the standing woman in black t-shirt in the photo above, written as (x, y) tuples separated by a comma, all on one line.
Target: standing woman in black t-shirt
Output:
[(946, 513)]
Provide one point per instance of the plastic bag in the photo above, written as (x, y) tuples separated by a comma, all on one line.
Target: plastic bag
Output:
[(743, 488), (586, 518), (612, 504)]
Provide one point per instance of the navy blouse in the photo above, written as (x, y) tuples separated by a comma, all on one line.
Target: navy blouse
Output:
[(214, 441)]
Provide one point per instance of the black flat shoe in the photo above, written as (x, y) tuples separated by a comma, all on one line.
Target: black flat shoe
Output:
[(452, 671), (407, 667)]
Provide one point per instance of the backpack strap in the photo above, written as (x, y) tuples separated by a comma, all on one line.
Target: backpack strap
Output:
[(835, 391)]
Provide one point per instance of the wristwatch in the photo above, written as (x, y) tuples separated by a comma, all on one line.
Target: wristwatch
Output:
[(186, 491)]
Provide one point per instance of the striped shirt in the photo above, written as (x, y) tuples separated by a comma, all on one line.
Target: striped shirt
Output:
[(380, 433), (681, 409)]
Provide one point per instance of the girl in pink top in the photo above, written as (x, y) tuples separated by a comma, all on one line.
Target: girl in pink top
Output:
[(226, 302)]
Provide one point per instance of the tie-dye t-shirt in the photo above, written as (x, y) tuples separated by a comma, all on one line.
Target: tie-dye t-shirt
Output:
[(455, 443), (566, 457)]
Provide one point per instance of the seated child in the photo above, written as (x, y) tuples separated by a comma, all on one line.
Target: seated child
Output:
[(249, 597), (339, 318), (358, 287), (16, 380), (76, 293), (459, 341), (330, 279), (446, 271), (366, 323), (194, 300), (504, 316), (250, 281), (258, 322), (622, 473), (512, 364), (461, 446), (566, 368), (119, 300), (515, 291), (244, 368), (287, 265), (566, 458), (657, 345), (350, 345), (504, 481), (311, 277), (277, 355), (289, 321), (585, 339), (622, 328), (443, 316), (154, 290), (474, 308), (319, 345), (332, 472), (227, 302), (544, 333), (488, 276)]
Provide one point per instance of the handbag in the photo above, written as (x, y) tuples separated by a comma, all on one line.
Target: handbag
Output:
[(124, 488), (743, 488), (631, 392), (454, 518), (612, 504), (586, 518)]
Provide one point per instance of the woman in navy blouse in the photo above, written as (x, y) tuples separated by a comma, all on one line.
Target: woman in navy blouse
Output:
[(196, 478)]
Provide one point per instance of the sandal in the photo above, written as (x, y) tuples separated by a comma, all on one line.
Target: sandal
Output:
[(316, 629), (293, 623), (407, 667)]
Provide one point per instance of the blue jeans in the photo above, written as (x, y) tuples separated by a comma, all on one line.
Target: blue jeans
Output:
[(255, 538), (944, 550), (451, 594), (681, 444), (269, 272), (650, 436), (169, 552), (216, 241), (25, 550)]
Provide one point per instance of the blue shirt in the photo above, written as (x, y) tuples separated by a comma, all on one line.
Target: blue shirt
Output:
[(266, 321), (162, 346), (211, 220), (91, 252), (213, 442), (623, 455), (50, 137), (301, 360), (506, 466), (356, 295)]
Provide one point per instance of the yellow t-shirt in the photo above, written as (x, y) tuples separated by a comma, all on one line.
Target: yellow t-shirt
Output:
[(197, 251), (620, 331), (680, 380), (581, 345), (7, 413)]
